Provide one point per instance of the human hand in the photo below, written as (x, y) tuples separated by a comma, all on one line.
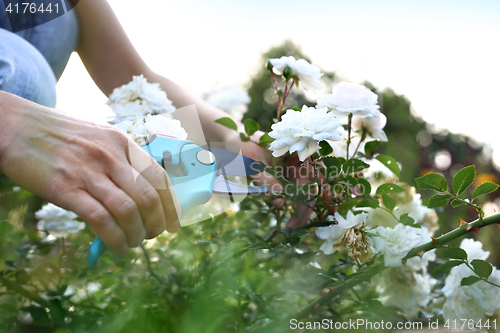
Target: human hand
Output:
[(92, 170)]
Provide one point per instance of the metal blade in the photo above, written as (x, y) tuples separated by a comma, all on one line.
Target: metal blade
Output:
[(234, 164), (222, 185)]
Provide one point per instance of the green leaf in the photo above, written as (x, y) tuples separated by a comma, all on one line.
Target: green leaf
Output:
[(388, 202), (292, 240), (455, 203), (364, 187), (251, 126), (389, 162), (407, 220), (244, 138), (326, 149), (389, 188), (354, 165), (368, 202), (463, 179), (451, 264), (228, 122), (444, 270), (371, 146), (439, 200), (432, 181), (333, 166), (346, 207), (467, 281), (257, 246), (455, 253), (265, 140), (483, 189), (482, 268)]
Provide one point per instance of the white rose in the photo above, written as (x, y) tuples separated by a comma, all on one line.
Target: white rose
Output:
[(373, 125), (162, 125), (231, 99), (309, 74), (138, 98), (334, 232), (57, 221), (347, 98), (395, 243), (404, 288), (301, 131)]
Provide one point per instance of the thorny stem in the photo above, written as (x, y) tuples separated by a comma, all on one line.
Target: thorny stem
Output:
[(349, 125), (460, 231)]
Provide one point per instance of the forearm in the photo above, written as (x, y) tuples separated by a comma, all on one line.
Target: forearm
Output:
[(180, 97)]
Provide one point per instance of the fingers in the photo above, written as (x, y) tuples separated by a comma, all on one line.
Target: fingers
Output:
[(171, 209), (121, 206), (153, 174), (145, 197), (299, 217), (98, 218)]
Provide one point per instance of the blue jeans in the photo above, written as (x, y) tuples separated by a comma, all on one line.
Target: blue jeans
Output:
[(32, 60)]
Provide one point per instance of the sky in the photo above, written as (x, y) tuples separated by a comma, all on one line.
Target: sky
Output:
[(442, 55)]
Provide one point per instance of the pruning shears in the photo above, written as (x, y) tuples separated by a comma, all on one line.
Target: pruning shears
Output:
[(196, 173)]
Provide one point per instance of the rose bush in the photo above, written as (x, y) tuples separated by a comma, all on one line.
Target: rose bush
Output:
[(369, 249)]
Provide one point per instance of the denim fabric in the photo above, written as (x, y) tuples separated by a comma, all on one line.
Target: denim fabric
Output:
[(32, 60)]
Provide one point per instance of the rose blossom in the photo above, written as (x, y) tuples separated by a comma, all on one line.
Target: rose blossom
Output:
[(334, 234), (373, 125), (57, 221), (300, 131), (477, 301), (140, 130), (232, 99), (308, 74), (139, 98), (395, 243), (347, 98)]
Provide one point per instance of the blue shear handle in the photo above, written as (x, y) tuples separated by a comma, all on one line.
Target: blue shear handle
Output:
[(192, 181)]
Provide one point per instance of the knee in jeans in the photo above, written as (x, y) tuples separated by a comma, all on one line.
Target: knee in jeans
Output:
[(6, 72)]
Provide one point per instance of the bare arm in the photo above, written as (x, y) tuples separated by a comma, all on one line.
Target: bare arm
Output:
[(111, 60)]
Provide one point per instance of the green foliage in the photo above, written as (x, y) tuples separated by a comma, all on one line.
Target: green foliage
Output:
[(484, 188), (228, 122), (388, 202), (265, 139), (389, 188), (463, 179), (326, 149), (437, 200), (370, 147), (390, 163), (251, 126), (455, 253), (469, 280), (354, 165), (432, 181), (482, 268)]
